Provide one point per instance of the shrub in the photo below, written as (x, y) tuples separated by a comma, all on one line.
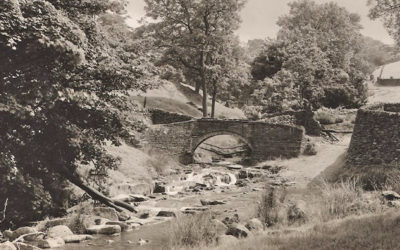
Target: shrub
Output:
[(327, 117), (190, 231), (310, 149), (270, 206)]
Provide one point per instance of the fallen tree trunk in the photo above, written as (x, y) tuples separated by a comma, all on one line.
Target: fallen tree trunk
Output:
[(76, 180)]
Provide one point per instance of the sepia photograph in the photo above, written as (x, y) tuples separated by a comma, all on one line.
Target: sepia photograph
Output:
[(200, 124)]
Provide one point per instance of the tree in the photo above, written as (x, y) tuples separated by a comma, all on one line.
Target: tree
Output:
[(63, 86), (193, 33), (389, 12), (318, 44)]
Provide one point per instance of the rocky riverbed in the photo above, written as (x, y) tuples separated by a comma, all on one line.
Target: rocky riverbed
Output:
[(228, 190)]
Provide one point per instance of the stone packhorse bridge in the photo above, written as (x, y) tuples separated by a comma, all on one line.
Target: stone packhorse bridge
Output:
[(265, 140)]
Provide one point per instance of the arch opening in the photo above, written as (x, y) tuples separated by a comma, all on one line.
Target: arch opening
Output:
[(222, 147)]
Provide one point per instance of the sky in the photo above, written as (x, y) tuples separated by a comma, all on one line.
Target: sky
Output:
[(259, 18)]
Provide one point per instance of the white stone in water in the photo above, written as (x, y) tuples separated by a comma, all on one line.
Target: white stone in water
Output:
[(104, 229), (51, 243), (59, 231)]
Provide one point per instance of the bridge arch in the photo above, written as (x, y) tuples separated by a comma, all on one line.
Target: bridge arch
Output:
[(199, 140)]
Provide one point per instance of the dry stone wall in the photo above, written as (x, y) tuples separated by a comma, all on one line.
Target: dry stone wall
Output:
[(265, 140), (376, 136), (159, 116)]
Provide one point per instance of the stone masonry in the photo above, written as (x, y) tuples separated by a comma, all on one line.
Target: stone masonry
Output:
[(266, 141), (376, 137)]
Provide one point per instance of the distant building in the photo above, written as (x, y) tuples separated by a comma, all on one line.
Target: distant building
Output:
[(388, 75)]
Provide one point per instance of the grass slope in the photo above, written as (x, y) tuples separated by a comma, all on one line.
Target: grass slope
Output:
[(368, 232)]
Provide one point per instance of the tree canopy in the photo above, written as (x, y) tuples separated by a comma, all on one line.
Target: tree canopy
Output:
[(316, 50), (63, 84), (196, 36)]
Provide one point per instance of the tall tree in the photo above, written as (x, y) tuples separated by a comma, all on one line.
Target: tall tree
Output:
[(389, 12), (63, 85), (318, 44), (193, 32)]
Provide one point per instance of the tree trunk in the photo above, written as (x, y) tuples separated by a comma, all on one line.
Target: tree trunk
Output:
[(197, 89), (214, 96), (99, 196), (203, 84), (204, 88)]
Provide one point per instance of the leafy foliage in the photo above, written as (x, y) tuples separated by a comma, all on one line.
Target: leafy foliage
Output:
[(196, 35), (316, 51), (63, 82)]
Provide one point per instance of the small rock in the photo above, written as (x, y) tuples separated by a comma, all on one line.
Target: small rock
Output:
[(164, 213), (138, 198), (104, 229), (123, 198), (390, 195), (211, 203), (237, 230), (106, 212), (142, 242), (254, 225), (77, 238), (24, 246), (59, 231), (159, 188), (123, 225), (226, 239), (193, 210), (101, 221), (7, 246), (234, 167), (220, 227), (110, 241), (51, 243)]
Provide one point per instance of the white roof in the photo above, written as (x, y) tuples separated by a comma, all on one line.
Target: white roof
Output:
[(391, 70)]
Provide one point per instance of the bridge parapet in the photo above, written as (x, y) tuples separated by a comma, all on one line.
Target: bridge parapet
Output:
[(265, 140)]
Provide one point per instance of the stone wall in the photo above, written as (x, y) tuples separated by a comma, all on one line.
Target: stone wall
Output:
[(265, 140), (376, 136), (389, 82), (159, 116)]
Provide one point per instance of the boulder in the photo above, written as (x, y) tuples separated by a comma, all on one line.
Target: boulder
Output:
[(59, 231), (77, 238), (164, 213), (106, 212), (56, 222), (104, 229), (254, 225), (123, 216), (8, 234), (226, 239), (51, 243), (123, 198), (211, 202), (220, 227), (138, 198), (25, 230), (237, 230), (24, 246), (124, 226), (390, 195), (7, 246)]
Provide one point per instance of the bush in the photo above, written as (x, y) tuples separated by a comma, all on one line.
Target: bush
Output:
[(310, 149), (327, 117), (190, 231), (270, 206)]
